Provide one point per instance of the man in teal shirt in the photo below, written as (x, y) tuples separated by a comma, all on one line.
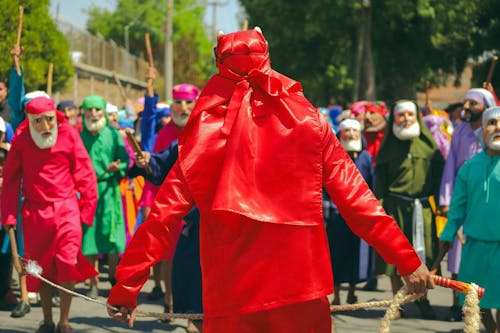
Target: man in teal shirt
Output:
[(475, 205)]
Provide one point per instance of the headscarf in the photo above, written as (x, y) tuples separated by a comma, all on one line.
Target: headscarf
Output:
[(481, 95), (240, 134), (185, 91), (97, 102), (392, 148)]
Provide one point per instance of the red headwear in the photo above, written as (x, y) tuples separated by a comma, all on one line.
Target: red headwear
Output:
[(253, 140), (39, 105)]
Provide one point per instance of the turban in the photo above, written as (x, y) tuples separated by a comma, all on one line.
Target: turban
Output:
[(185, 91), (350, 123), (66, 104), (481, 95), (96, 102), (39, 105)]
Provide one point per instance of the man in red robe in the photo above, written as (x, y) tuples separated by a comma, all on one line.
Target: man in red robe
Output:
[(59, 188), (374, 127), (254, 157)]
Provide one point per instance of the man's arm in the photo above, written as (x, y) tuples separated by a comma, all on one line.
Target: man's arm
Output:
[(150, 242), (160, 164), (85, 180), (16, 90)]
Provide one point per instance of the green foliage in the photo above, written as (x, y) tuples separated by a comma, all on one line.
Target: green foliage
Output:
[(192, 49), (42, 42), (412, 41)]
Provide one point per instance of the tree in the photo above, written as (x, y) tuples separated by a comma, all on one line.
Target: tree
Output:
[(342, 48), (192, 49), (43, 44)]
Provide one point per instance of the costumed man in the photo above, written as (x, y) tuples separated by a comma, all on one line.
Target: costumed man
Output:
[(110, 160), (184, 98), (264, 254), (375, 123), (71, 113), (474, 205), (408, 172), (359, 265), (59, 188), (464, 144)]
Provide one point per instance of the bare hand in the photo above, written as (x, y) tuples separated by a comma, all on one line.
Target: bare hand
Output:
[(122, 314), (488, 86), (16, 51), (419, 281), (442, 211), (114, 166), (150, 73), (142, 160), (8, 227)]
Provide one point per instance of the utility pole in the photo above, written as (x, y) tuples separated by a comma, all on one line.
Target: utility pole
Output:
[(169, 51), (214, 5)]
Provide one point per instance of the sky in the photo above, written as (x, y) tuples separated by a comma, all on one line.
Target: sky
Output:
[(72, 11)]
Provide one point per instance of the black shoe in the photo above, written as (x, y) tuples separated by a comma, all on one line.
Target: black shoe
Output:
[(455, 313), (21, 310), (426, 310), (155, 294), (371, 285)]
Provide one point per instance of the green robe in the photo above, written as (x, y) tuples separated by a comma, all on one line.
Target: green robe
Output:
[(407, 170), (107, 234)]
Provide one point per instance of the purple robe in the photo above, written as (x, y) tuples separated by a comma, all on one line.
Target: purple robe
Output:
[(464, 145)]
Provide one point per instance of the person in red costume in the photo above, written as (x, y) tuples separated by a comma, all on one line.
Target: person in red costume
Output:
[(374, 127), (59, 187), (254, 157)]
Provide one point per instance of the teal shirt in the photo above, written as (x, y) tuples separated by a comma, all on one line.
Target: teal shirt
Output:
[(476, 200), (16, 94)]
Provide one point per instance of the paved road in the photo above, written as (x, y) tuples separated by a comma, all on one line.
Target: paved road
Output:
[(90, 317)]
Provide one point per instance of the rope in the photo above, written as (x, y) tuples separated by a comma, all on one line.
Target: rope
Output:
[(470, 309)]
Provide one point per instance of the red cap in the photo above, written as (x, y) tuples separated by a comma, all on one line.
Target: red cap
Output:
[(40, 105), (376, 109)]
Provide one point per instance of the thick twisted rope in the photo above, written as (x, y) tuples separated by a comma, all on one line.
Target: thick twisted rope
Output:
[(470, 309)]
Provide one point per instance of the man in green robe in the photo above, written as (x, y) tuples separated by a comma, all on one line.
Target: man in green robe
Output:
[(408, 173), (110, 159)]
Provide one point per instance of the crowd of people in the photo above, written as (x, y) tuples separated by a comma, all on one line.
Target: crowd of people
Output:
[(274, 180)]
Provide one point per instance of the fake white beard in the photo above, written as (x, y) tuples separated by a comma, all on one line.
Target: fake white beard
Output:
[(403, 133), (179, 118), (492, 144), (351, 145), (95, 126), (39, 140)]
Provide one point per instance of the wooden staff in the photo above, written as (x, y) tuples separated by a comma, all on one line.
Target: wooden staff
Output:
[(15, 254), (18, 40), (120, 87), (439, 258), (427, 88), (150, 56), (49, 79), (245, 25), (492, 68), (137, 149)]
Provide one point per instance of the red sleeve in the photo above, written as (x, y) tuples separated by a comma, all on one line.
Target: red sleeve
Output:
[(152, 239), (85, 180), (11, 186), (361, 210)]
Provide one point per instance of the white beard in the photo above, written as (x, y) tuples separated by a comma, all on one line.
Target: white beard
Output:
[(39, 140), (352, 145), (403, 133), (95, 126), (179, 119), (492, 144)]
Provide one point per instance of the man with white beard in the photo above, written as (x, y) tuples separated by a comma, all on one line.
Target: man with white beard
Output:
[(474, 205), (110, 159), (408, 172), (59, 188)]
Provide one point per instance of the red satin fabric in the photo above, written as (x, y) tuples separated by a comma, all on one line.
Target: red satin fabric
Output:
[(254, 157)]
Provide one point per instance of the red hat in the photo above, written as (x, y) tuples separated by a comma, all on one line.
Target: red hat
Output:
[(380, 109), (40, 105)]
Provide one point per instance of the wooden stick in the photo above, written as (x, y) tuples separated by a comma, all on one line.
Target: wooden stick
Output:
[(18, 40), (245, 25), (137, 149), (15, 254), (149, 52), (49, 79), (439, 258), (120, 87), (427, 87), (492, 68)]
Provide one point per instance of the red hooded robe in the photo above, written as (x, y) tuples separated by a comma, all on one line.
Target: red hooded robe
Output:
[(254, 157)]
